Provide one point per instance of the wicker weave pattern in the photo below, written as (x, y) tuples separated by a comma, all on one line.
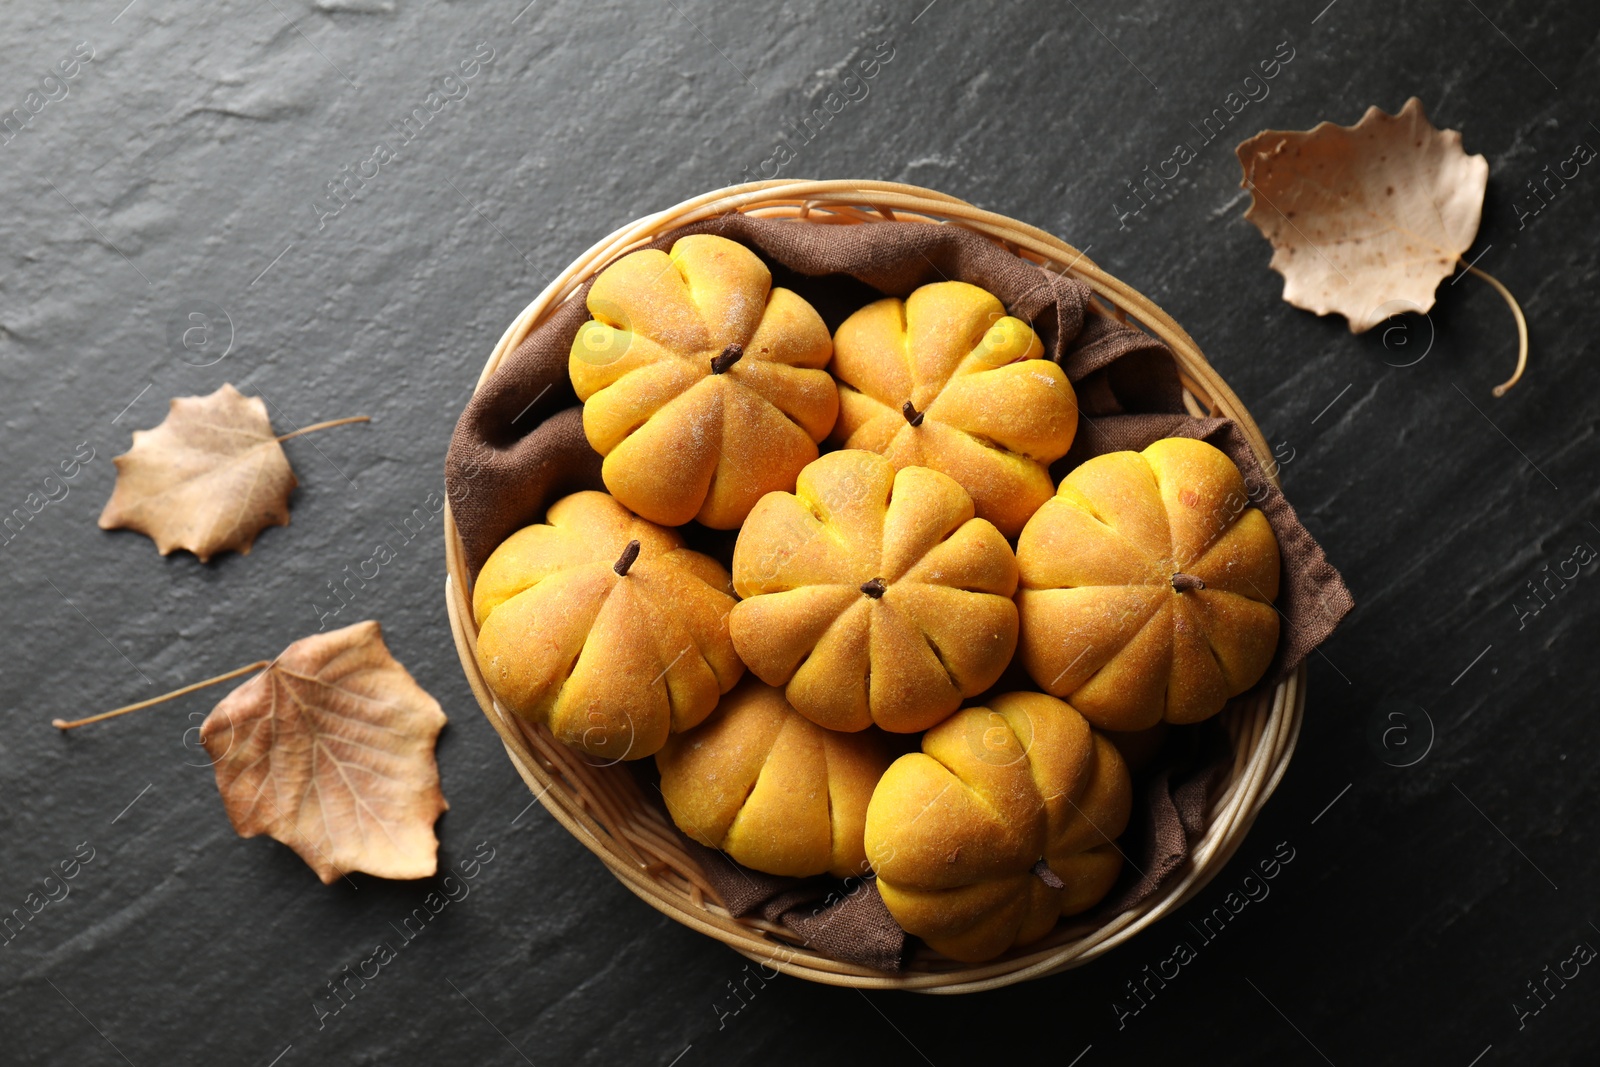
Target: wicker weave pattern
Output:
[(604, 807)]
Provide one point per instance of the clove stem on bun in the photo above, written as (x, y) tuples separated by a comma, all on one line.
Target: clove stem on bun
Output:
[(625, 560), (1042, 871)]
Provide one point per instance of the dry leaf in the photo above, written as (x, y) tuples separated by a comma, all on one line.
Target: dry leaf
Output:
[(208, 479), (1364, 220), (330, 751)]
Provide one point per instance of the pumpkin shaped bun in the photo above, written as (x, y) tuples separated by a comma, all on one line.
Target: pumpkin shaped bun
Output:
[(1001, 825), (604, 627), (946, 379), (873, 595), (1147, 587), (702, 386), (770, 788)]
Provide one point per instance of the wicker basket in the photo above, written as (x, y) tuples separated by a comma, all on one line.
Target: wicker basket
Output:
[(604, 807)]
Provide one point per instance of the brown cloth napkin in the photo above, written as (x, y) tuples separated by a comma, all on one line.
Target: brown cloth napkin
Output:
[(519, 446), (1169, 813), (843, 920)]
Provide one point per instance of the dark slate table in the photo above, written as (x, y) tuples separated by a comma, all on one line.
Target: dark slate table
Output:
[(187, 168)]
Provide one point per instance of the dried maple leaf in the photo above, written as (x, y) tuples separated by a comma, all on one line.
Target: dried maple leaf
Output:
[(1367, 217), (330, 751), (209, 478)]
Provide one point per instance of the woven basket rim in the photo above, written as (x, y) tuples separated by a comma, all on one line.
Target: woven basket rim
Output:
[(604, 808)]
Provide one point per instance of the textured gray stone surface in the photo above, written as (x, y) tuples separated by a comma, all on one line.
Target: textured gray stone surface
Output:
[(182, 171)]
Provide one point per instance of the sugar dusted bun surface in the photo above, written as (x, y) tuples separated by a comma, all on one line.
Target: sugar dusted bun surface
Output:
[(613, 647), (1001, 825), (702, 386), (946, 379), (874, 596), (770, 788), (1147, 584)]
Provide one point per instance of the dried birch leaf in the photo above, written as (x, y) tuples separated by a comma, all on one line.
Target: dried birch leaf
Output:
[(1364, 220), (209, 478), (330, 751)]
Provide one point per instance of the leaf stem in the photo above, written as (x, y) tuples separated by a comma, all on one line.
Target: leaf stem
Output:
[(323, 426), (62, 724), (1522, 328)]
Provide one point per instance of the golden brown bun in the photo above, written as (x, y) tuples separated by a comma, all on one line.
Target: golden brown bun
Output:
[(610, 663), (771, 789), (954, 831), (680, 440), (941, 628), (1089, 876), (1104, 622), (995, 414)]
